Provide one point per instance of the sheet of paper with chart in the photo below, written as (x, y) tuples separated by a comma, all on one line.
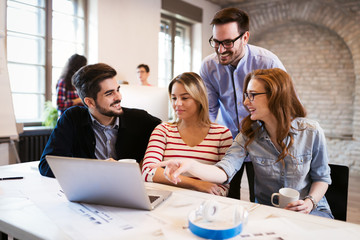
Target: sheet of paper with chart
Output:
[(99, 221)]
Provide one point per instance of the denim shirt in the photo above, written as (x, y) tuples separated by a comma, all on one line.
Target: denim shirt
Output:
[(306, 163), (224, 84)]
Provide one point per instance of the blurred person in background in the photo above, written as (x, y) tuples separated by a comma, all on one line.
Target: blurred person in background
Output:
[(143, 73), (65, 91)]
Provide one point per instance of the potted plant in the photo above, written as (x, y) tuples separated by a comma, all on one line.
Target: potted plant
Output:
[(50, 115)]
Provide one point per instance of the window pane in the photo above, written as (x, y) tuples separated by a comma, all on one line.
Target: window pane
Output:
[(165, 54), (30, 21), (26, 53), (182, 61), (38, 3), (68, 28), (63, 50), (68, 35), (26, 78), (170, 66), (53, 99), (25, 113), (69, 7), (56, 72), (25, 49)]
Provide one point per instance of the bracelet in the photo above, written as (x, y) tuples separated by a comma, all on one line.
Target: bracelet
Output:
[(312, 199)]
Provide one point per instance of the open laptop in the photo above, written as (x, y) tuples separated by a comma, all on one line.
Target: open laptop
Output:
[(118, 184)]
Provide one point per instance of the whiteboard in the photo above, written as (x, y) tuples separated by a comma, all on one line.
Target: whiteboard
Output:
[(154, 100), (7, 116)]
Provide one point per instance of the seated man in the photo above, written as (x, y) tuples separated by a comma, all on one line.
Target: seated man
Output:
[(102, 129)]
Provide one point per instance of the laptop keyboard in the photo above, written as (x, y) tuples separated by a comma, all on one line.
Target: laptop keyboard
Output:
[(153, 198)]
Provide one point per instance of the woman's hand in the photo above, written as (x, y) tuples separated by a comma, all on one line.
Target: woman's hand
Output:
[(110, 160), (208, 187), (173, 169), (317, 190), (304, 206)]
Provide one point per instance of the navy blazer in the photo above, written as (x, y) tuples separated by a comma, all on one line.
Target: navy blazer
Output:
[(74, 136)]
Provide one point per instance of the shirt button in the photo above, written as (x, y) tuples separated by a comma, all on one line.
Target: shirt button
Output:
[(282, 173)]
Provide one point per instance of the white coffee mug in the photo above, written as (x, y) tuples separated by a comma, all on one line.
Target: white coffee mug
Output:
[(285, 196)]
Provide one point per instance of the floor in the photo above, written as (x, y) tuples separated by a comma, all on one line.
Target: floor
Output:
[(353, 210)]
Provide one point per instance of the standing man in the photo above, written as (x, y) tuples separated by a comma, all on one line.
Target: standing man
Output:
[(142, 73), (224, 71), (102, 129)]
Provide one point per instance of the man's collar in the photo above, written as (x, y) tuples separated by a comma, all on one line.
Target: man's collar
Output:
[(231, 68), (246, 49), (116, 124)]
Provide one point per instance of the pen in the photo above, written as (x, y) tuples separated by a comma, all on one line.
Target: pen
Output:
[(11, 178), (254, 207)]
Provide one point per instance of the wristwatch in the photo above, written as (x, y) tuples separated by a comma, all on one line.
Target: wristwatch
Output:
[(312, 199)]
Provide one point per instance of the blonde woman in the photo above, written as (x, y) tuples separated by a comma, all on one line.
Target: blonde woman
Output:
[(190, 137)]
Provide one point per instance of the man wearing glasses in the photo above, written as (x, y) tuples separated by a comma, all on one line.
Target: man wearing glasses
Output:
[(224, 71)]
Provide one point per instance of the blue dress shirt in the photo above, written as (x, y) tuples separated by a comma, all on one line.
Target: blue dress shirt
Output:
[(221, 80)]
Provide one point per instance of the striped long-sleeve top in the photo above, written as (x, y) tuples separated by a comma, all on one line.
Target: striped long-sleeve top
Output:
[(166, 143)]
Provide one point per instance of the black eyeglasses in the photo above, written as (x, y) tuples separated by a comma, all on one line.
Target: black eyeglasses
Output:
[(229, 43), (251, 96)]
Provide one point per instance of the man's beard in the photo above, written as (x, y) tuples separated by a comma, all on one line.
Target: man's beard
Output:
[(234, 57), (109, 113), (231, 55)]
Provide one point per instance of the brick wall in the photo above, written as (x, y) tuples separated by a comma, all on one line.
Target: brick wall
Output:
[(319, 43), (322, 69)]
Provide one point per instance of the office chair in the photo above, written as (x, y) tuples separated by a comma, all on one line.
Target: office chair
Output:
[(234, 191), (337, 193)]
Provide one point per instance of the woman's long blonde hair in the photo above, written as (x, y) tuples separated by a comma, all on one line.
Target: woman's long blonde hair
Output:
[(283, 104), (194, 85)]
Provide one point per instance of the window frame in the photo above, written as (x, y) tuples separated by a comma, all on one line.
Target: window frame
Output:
[(173, 24), (48, 49)]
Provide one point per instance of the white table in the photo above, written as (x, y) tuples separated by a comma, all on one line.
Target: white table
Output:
[(35, 208)]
